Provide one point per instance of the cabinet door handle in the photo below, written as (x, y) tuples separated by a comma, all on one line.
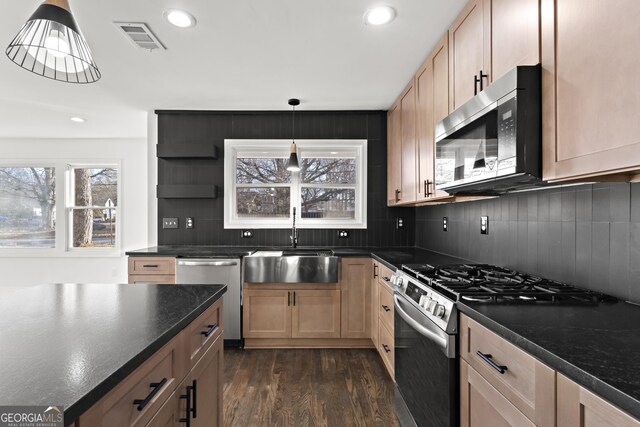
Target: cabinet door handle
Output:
[(208, 332), (386, 308), (375, 271), (386, 348), (294, 298), (476, 80), (397, 196), (288, 298), (487, 358), (194, 400), (187, 397), (155, 389), (483, 76), (427, 188)]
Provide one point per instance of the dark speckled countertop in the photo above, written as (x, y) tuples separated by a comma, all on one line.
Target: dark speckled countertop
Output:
[(596, 346), (69, 344)]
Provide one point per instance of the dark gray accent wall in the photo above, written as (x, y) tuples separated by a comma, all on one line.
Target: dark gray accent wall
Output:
[(587, 235), (198, 127)]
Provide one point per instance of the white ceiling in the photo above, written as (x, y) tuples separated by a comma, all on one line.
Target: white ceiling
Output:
[(242, 55)]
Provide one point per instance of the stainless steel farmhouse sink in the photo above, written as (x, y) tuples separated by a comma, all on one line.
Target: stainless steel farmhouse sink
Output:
[(291, 266)]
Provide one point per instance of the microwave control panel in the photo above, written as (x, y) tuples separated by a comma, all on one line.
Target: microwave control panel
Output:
[(507, 134)]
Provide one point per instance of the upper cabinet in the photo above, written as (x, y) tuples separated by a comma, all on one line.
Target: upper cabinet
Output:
[(590, 88), (469, 52), (401, 144), (394, 155), (432, 105)]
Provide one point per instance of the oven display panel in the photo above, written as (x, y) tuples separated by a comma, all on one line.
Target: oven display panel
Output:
[(414, 292)]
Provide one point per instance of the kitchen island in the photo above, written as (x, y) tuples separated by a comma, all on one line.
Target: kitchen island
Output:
[(92, 347)]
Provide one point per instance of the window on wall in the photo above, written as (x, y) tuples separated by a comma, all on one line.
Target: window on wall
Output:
[(27, 207), (329, 190), (55, 208), (92, 206)]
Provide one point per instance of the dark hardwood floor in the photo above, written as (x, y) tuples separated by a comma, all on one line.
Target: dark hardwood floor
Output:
[(306, 388)]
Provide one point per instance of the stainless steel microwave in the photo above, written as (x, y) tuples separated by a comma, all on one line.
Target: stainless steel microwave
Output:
[(492, 143)]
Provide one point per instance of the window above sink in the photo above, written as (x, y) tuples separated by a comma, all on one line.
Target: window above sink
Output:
[(328, 192)]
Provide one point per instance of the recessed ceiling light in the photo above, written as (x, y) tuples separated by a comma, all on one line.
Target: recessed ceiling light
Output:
[(78, 119), (334, 152), (379, 15), (180, 18)]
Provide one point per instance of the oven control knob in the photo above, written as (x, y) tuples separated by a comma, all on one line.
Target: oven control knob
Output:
[(438, 310), (429, 304)]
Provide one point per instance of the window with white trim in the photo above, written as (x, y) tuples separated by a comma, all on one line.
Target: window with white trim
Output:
[(328, 192)]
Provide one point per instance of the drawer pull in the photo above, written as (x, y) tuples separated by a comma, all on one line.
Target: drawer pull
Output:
[(194, 390), (386, 279), (189, 409), (386, 348), (150, 266), (212, 328), (487, 358), (144, 402), (386, 308)]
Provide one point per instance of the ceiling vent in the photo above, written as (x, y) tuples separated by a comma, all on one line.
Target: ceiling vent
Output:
[(140, 35)]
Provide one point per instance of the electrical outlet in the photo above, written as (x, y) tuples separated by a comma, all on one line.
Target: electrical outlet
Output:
[(445, 223), (247, 234), (170, 223), (189, 223), (343, 234), (484, 225), (399, 223)]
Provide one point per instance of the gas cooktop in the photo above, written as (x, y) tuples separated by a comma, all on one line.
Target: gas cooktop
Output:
[(492, 284)]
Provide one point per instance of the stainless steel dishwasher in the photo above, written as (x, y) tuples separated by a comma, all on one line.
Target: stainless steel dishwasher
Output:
[(210, 271)]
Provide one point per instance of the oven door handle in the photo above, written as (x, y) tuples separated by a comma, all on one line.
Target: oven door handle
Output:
[(444, 343)]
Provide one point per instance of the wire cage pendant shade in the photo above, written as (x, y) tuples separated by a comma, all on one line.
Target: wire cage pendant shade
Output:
[(51, 45)]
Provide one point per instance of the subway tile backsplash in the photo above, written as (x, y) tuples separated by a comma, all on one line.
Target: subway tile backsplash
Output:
[(587, 235)]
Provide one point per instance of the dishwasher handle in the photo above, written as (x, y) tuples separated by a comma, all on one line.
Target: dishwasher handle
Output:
[(190, 263)]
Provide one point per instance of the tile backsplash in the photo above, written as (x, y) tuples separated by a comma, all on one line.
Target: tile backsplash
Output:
[(587, 235)]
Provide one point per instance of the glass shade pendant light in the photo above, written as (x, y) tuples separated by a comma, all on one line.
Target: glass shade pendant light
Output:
[(293, 164), (51, 45)]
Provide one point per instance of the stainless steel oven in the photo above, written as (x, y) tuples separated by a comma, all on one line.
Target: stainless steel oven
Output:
[(426, 369)]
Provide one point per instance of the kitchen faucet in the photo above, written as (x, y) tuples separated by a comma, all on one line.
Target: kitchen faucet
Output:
[(294, 232)]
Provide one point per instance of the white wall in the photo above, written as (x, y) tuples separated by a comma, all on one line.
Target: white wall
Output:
[(133, 155)]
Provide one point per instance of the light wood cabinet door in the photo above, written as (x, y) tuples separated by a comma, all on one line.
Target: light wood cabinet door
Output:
[(432, 100), (267, 313), (355, 286), (165, 279), (578, 407), (469, 51), (408, 188), (481, 405), (315, 314), (515, 34), (170, 413), (207, 378), (394, 155), (590, 88), (375, 297)]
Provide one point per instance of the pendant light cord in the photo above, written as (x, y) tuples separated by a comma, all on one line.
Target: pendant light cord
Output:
[(293, 125)]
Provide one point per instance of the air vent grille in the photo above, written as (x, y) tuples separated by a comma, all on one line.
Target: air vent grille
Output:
[(140, 35)]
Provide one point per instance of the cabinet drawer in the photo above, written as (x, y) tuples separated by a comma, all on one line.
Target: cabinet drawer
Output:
[(385, 307), (203, 331), (385, 347), (140, 396), (152, 265), (524, 381), (168, 279), (384, 277)]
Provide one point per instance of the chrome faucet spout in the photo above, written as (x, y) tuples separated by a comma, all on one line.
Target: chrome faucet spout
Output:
[(294, 232)]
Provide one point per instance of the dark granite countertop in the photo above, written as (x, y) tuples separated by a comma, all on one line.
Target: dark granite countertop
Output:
[(69, 344), (194, 251), (596, 346)]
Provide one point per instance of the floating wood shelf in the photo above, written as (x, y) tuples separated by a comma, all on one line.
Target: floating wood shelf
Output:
[(187, 151), (187, 191)]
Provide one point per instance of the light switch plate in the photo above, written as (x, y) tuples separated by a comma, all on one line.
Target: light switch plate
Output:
[(169, 222), (484, 225)]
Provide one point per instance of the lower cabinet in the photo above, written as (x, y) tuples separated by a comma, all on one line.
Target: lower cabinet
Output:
[(383, 310), (374, 302), (291, 313)]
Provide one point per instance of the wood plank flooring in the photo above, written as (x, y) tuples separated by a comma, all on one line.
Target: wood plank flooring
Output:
[(304, 387)]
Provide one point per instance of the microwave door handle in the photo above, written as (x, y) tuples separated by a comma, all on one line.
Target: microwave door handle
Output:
[(431, 335)]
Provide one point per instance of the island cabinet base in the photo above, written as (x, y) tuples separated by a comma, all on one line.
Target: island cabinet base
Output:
[(182, 379)]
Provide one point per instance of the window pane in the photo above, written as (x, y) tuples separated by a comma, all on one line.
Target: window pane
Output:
[(94, 228), (27, 207), (96, 187), (328, 203), (263, 202), (262, 170), (330, 171)]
